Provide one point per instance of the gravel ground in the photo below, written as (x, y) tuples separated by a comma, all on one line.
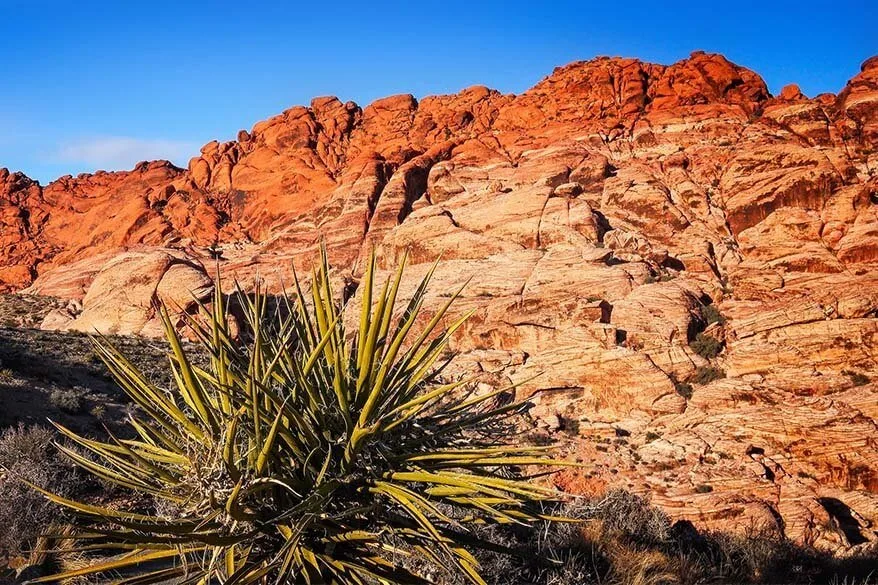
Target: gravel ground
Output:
[(36, 364)]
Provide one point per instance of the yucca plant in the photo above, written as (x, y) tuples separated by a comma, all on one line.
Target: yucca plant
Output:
[(303, 454)]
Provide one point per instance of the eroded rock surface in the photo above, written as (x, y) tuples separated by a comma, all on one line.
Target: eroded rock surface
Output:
[(120, 294), (688, 262)]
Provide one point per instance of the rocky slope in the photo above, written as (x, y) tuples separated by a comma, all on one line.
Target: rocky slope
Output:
[(688, 261)]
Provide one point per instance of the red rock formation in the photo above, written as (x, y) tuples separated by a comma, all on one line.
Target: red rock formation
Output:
[(596, 213)]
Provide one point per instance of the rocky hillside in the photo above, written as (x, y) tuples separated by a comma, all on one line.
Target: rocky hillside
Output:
[(689, 262)]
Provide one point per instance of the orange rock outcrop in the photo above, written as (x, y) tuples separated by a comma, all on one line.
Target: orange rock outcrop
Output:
[(614, 219)]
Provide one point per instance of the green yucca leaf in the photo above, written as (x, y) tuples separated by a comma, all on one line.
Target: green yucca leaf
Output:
[(188, 383), (160, 576), (125, 561), (294, 452)]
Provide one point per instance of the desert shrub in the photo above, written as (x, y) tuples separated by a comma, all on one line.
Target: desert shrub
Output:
[(609, 544), (711, 314), (684, 389), (27, 453), (539, 439), (98, 411), (543, 553), (304, 454), (69, 400), (857, 378), (622, 539), (703, 488), (632, 516), (707, 374), (706, 346), (632, 342), (660, 275), (569, 425), (757, 556)]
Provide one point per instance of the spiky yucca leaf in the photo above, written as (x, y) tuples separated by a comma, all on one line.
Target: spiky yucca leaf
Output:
[(303, 454)]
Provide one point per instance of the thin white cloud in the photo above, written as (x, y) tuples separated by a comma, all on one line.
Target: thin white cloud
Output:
[(122, 153)]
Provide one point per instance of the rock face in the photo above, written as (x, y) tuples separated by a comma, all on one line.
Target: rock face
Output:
[(689, 262), (122, 291)]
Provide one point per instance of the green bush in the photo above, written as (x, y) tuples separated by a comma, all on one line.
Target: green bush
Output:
[(660, 276), (684, 389), (652, 436), (706, 346), (711, 314), (303, 454), (71, 401), (707, 374)]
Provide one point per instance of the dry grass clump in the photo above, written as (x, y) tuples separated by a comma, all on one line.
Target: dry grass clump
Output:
[(628, 562), (54, 552), (628, 514)]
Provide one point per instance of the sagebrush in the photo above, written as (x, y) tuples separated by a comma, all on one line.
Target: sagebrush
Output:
[(28, 453)]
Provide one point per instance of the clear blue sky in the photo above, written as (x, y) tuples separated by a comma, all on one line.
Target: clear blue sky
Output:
[(87, 85)]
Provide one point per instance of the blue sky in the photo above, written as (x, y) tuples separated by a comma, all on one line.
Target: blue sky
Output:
[(86, 85)]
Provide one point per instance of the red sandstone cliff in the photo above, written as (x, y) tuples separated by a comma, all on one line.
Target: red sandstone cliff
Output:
[(598, 213)]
